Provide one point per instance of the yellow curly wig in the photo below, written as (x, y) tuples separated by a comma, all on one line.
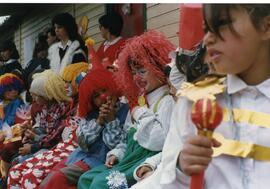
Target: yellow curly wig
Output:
[(55, 87), (71, 72)]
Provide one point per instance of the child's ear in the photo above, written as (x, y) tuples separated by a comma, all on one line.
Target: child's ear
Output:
[(265, 28)]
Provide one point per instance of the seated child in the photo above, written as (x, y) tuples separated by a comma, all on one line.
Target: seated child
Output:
[(237, 40), (19, 175), (10, 88), (188, 64), (99, 131), (48, 90), (141, 73)]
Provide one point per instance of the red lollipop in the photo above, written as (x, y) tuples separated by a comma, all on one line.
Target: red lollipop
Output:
[(206, 115)]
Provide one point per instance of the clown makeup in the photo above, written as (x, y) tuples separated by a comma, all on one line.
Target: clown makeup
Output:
[(139, 77), (140, 82), (115, 66), (69, 89), (11, 94), (99, 97), (144, 79)]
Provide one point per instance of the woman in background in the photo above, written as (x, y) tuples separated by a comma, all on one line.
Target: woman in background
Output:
[(70, 49)]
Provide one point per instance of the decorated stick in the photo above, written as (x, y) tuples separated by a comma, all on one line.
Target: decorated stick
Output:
[(206, 115), (190, 26)]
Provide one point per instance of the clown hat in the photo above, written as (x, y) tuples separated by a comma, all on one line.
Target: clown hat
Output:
[(94, 59), (10, 81), (191, 26)]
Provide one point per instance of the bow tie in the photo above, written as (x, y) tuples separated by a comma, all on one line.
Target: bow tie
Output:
[(62, 52)]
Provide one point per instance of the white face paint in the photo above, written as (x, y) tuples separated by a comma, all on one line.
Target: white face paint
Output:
[(140, 79), (69, 90)]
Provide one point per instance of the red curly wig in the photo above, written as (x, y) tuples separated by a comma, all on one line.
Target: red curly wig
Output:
[(93, 81), (151, 51)]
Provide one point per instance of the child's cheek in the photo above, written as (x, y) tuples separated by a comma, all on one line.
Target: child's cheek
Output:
[(69, 90), (140, 81)]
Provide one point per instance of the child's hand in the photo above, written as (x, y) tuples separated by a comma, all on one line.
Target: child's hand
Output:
[(144, 171), (2, 136), (29, 134), (107, 110), (26, 140), (26, 125), (100, 120), (111, 160), (26, 149), (196, 154), (103, 112), (111, 101)]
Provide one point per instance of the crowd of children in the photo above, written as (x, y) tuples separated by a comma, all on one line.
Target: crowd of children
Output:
[(129, 111)]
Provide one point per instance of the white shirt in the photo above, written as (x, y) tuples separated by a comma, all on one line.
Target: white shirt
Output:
[(224, 172), (58, 65), (10, 61), (107, 44), (60, 44), (152, 127)]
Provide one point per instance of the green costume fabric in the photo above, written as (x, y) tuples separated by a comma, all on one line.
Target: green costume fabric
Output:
[(134, 156)]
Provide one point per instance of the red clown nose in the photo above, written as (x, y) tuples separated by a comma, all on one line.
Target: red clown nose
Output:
[(103, 98)]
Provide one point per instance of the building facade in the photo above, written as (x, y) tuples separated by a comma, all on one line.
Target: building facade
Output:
[(137, 18)]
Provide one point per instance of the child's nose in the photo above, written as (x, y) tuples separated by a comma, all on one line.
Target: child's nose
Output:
[(137, 77), (209, 38)]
